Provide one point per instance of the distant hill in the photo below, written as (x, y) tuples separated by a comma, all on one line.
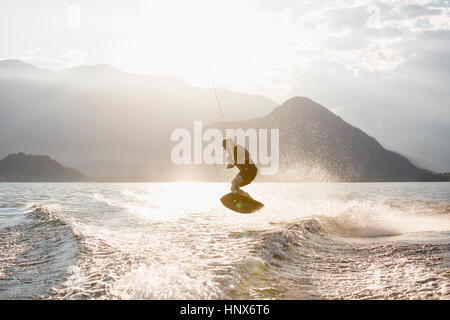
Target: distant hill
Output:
[(438, 177), (316, 145), (15, 65), (20, 167)]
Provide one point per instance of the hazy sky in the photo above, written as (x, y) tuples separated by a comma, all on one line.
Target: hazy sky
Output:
[(382, 65)]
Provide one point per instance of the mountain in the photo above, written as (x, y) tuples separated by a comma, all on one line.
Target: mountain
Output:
[(116, 124), (15, 65), (316, 144), (22, 167), (104, 121)]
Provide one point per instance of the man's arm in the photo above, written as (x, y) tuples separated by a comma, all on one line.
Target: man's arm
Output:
[(231, 160)]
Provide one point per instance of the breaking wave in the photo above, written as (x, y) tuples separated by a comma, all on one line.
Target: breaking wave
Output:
[(35, 252), (151, 241)]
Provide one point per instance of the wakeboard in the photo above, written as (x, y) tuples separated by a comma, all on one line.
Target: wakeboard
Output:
[(240, 203)]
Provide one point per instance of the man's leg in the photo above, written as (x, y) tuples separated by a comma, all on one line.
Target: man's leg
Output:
[(237, 182), (242, 179)]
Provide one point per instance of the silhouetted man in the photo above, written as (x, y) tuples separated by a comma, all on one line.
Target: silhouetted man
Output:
[(239, 157)]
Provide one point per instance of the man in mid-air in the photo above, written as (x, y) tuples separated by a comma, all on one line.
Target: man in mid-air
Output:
[(239, 157)]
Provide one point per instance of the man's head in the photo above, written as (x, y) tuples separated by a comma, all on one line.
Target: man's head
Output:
[(227, 144)]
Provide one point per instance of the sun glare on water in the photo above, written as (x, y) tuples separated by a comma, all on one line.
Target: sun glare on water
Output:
[(169, 201)]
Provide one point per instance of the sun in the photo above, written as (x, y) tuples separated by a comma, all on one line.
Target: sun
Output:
[(181, 37)]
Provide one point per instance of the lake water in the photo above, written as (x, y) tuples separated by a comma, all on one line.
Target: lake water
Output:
[(176, 241)]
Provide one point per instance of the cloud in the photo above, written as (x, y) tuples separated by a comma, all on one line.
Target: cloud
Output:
[(439, 4), (415, 10), (347, 17)]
